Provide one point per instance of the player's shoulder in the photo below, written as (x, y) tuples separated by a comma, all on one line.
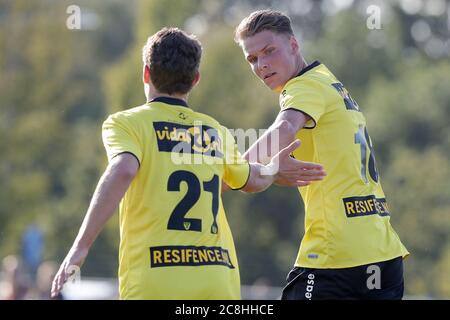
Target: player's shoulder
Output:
[(207, 119), (313, 76), (131, 112), (129, 115), (311, 84)]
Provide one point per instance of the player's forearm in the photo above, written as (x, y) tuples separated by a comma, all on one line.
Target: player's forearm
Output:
[(277, 137), (261, 177), (110, 190)]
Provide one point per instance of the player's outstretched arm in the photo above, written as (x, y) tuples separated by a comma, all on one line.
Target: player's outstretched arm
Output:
[(262, 176), (278, 136), (110, 189)]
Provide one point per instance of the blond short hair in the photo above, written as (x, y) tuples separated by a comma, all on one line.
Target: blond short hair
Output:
[(262, 20)]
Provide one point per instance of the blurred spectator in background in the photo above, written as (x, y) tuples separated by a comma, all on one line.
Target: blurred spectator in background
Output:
[(261, 289), (15, 283), (44, 276), (32, 247)]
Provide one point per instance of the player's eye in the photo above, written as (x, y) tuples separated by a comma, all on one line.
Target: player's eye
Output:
[(269, 50), (252, 59)]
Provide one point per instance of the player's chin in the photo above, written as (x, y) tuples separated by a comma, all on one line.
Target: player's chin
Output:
[(268, 83), (274, 85)]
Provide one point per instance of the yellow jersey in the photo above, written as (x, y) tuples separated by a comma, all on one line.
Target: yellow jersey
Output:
[(347, 219), (175, 241)]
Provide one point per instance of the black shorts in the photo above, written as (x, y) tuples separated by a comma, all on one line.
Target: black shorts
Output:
[(375, 281)]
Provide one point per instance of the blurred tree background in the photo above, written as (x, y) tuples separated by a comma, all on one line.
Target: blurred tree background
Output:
[(58, 85)]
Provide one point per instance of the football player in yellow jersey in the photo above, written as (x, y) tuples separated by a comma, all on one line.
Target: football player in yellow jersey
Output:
[(168, 162), (349, 249)]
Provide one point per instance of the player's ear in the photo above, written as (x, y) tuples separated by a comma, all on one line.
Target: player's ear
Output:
[(146, 74), (196, 79), (294, 44)]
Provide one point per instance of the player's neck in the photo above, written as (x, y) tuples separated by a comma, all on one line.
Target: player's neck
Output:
[(301, 65), (155, 94)]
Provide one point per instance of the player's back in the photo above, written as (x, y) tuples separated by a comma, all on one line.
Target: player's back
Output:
[(175, 238)]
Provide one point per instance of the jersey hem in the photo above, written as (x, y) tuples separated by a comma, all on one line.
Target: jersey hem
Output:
[(351, 265), (129, 152), (246, 181), (298, 110)]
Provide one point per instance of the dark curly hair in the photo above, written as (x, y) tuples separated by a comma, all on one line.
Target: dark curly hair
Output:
[(173, 57)]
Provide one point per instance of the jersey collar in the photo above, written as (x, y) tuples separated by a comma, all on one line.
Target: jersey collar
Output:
[(309, 67), (169, 100)]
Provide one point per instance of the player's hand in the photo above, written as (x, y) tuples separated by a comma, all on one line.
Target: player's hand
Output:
[(71, 264), (292, 172)]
